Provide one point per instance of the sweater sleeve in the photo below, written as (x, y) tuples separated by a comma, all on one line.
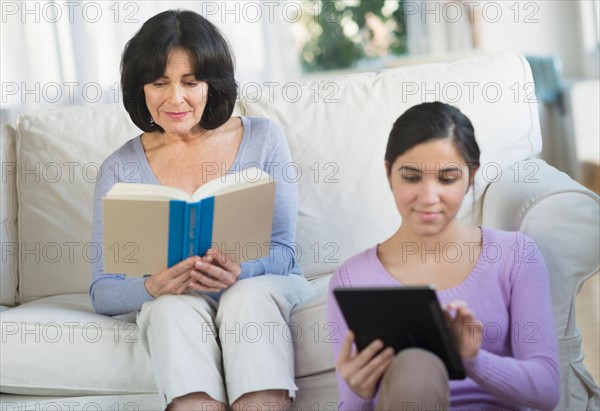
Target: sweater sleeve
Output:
[(530, 376), (348, 400), (282, 255), (112, 294)]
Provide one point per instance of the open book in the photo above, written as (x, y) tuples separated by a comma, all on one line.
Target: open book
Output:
[(148, 227)]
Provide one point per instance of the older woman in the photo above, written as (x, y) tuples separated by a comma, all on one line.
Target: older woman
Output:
[(215, 329)]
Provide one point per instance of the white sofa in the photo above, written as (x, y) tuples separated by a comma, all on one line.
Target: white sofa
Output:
[(57, 354)]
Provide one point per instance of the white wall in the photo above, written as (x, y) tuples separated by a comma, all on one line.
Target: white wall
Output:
[(56, 53), (537, 27), (563, 28), (264, 49)]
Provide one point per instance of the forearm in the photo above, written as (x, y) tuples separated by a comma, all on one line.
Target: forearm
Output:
[(114, 296), (280, 261), (533, 382)]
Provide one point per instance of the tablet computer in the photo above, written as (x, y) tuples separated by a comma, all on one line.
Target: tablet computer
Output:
[(402, 317)]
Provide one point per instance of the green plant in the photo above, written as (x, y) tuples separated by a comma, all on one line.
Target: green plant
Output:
[(342, 33)]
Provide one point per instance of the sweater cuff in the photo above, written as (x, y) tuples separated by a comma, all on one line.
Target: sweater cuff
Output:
[(474, 366), (251, 269), (142, 294)]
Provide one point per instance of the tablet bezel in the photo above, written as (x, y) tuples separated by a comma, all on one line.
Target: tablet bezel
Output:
[(367, 311)]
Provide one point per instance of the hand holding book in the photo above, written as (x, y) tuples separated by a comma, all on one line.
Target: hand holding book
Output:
[(174, 280), (212, 272), (215, 272)]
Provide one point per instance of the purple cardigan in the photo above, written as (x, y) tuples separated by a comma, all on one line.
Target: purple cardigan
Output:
[(509, 291)]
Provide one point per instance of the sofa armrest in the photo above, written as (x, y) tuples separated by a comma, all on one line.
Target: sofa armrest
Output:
[(563, 217), (8, 217), (560, 214)]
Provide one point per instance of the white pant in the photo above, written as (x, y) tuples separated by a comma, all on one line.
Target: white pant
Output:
[(240, 344)]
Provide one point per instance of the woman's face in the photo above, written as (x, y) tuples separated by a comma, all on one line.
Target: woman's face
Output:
[(429, 183), (177, 100)]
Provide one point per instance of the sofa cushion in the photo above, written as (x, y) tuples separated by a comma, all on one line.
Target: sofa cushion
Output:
[(8, 217), (59, 153), (313, 346), (104, 354), (125, 402), (318, 392), (338, 129)]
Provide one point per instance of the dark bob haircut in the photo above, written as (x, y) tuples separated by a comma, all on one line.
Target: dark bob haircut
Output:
[(144, 60), (430, 121)]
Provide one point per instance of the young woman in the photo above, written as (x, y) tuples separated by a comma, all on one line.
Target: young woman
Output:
[(492, 284)]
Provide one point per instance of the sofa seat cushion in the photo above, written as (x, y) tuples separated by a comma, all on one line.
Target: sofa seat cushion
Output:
[(313, 346), (125, 402), (58, 346), (317, 392)]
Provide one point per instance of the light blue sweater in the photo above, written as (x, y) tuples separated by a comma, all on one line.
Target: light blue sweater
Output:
[(263, 145)]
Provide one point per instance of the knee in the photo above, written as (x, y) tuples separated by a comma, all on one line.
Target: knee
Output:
[(416, 370), (418, 357), (247, 293), (171, 308), (250, 299)]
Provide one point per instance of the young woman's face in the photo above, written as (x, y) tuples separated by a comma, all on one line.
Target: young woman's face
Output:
[(429, 183), (177, 100)]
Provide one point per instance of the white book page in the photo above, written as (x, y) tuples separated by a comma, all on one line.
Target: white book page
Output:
[(232, 182), (134, 191)]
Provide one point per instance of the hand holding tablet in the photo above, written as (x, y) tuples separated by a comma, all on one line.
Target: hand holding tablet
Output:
[(363, 370), (404, 317)]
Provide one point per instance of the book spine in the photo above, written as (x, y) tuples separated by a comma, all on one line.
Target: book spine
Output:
[(206, 225), (177, 211), (189, 234), (194, 245)]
